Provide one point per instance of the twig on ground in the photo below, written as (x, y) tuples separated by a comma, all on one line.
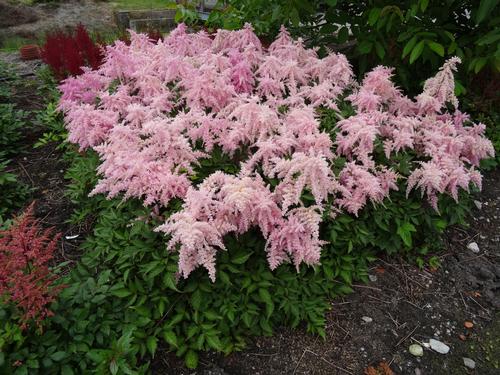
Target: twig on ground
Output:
[(408, 335), (330, 363), (366, 287), (300, 360), (481, 306), (26, 173), (411, 303), (463, 300)]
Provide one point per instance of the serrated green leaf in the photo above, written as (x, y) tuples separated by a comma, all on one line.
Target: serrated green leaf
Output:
[(342, 35), (485, 8), (113, 367), (196, 300), (365, 47), (379, 48), (121, 293), (480, 63), (417, 51), (191, 359), (58, 356), (241, 258), (489, 38), (409, 46), (170, 337), (152, 345), (66, 370), (404, 231), (214, 342), (436, 47), (373, 16)]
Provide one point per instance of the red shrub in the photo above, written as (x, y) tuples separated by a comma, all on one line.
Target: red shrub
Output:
[(25, 278), (66, 53)]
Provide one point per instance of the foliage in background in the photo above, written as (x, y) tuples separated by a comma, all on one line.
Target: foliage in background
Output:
[(415, 36), (67, 52), (11, 122), (13, 192)]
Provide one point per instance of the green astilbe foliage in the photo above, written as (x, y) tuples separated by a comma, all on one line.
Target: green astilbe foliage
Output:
[(13, 193), (11, 122)]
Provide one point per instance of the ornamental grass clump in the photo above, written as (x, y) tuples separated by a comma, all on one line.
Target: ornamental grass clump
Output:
[(156, 111)]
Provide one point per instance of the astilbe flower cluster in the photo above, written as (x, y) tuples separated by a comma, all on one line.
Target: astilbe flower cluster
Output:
[(25, 278), (152, 110)]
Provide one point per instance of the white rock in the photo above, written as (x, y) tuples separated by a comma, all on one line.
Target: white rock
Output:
[(473, 247), (439, 346), (478, 204), (416, 350), (469, 363), (366, 319), (372, 278)]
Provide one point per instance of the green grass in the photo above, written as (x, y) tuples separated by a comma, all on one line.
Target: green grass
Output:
[(142, 4), (13, 43)]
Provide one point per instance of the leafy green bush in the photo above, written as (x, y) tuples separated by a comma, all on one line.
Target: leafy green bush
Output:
[(51, 120), (415, 36), (11, 122), (14, 193)]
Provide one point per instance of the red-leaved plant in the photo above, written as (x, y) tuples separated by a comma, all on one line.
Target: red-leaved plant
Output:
[(25, 278), (67, 53)]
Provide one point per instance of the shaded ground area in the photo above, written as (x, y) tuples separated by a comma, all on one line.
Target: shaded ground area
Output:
[(43, 168), (35, 21), (402, 306)]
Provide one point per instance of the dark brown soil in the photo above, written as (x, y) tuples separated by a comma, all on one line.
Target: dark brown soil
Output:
[(407, 305), (43, 169), (16, 14)]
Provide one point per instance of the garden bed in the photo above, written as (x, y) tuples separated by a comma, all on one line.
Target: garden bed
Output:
[(390, 275), (402, 305)]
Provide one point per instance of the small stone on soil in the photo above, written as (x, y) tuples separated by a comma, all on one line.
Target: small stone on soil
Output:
[(367, 319), (473, 247), (372, 278), (439, 346), (478, 204), (469, 363), (416, 350)]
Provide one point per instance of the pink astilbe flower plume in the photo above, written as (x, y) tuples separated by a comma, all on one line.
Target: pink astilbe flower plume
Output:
[(156, 113)]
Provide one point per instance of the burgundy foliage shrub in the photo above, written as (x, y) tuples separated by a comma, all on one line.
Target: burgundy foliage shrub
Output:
[(25, 278), (67, 53)]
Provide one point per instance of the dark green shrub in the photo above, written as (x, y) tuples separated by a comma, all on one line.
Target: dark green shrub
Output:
[(415, 36), (11, 122)]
